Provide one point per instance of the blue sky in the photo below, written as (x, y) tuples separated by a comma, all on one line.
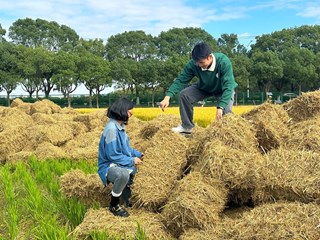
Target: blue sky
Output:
[(103, 18)]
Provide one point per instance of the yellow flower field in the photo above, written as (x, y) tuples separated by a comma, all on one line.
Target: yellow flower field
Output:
[(203, 116)]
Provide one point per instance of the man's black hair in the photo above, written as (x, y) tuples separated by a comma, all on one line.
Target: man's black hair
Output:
[(201, 51), (119, 109)]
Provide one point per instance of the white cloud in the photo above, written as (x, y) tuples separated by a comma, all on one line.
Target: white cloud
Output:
[(101, 19), (311, 12)]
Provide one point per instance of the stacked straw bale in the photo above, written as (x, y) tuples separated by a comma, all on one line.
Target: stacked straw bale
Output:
[(44, 129), (304, 106), (43, 119), (86, 188), (92, 120), (44, 106), (270, 122), (47, 150), (19, 156), (142, 139), (196, 202), (233, 130), (289, 175), (163, 165), (12, 141), (102, 220), (57, 134), (270, 221), (14, 118), (84, 146), (22, 106), (234, 167), (304, 135)]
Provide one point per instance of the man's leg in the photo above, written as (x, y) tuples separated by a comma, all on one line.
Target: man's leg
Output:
[(187, 98)]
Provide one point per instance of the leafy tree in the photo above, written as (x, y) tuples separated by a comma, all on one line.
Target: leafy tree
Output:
[(2, 33), (229, 45), (240, 65), (308, 37), (94, 72), (299, 67), (65, 77), (171, 68), (31, 77), (9, 72), (180, 41), (316, 83), (301, 37), (130, 46), (45, 69), (94, 46), (135, 45), (122, 72), (266, 67), (150, 74), (41, 33)]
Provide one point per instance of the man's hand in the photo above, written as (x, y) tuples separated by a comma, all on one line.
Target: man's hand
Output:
[(219, 114), (164, 103), (137, 161)]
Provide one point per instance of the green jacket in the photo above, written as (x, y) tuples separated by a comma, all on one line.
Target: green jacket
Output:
[(220, 81)]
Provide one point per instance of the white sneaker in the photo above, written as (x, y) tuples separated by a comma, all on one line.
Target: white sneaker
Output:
[(181, 129)]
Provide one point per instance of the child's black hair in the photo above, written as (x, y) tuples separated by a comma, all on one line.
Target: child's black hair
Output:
[(119, 109), (201, 51)]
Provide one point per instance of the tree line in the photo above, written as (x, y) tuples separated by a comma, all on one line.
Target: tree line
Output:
[(43, 56)]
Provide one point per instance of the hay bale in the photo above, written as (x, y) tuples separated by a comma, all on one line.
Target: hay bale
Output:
[(14, 118), (270, 122), (102, 220), (45, 106), (12, 140), (84, 118), (163, 122), (83, 146), (87, 153), (304, 135), (57, 134), (69, 111), (163, 165), (304, 106), (92, 120), (235, 131), (142, 132), (43, 118), (86, 188), (64, 117), (46, 150), (19, 156), (196, 202), (99, 114), (235, 168), (134, 129), (289, 175), (270, 221), (22, 106)]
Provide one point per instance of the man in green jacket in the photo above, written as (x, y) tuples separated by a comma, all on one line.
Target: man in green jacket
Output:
[(214, 71)]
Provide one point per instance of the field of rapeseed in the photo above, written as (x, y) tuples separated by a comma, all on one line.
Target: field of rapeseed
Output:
[(203, 116)]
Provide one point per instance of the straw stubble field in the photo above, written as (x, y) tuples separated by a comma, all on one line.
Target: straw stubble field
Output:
[(253, 175)]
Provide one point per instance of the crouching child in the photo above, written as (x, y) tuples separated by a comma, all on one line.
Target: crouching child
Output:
[(116, 159)]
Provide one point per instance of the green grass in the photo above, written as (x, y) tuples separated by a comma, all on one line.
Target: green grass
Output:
[(34, 208)]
